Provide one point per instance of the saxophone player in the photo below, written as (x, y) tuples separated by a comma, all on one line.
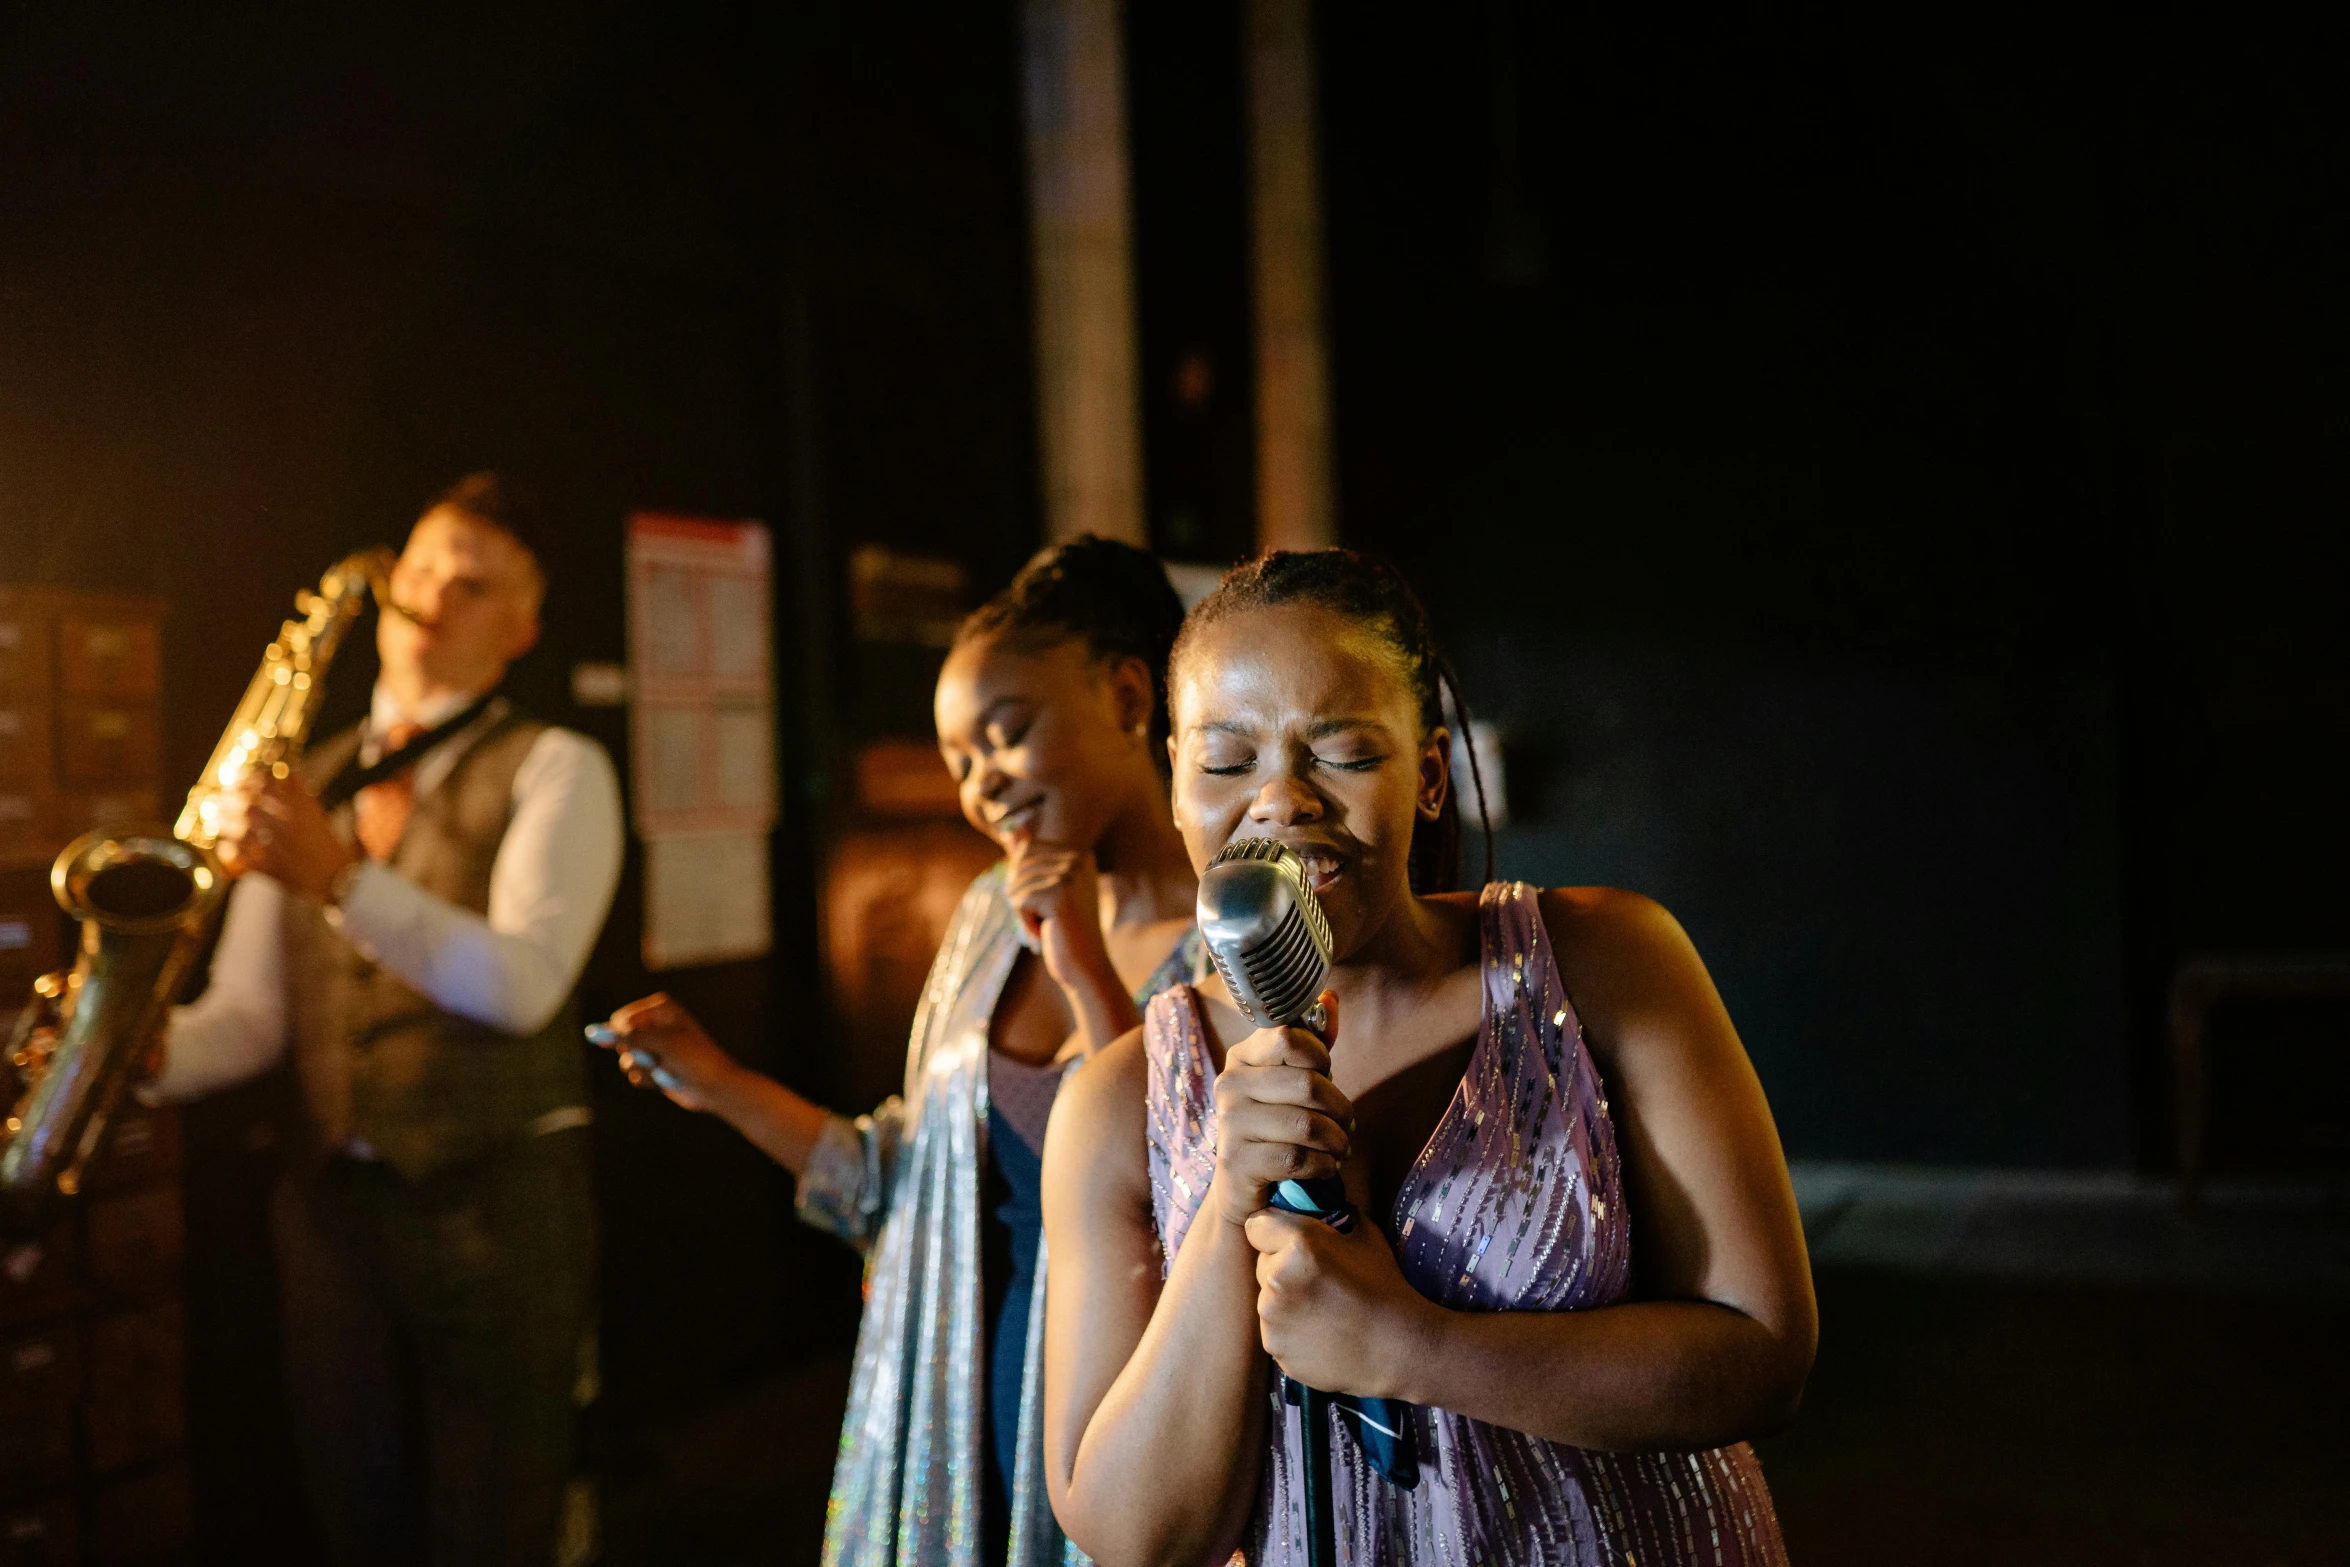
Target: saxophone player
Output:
[(414, 948)]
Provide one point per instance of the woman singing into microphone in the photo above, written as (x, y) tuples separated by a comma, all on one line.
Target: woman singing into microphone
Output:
[(1586, 1278), (1051, 717)]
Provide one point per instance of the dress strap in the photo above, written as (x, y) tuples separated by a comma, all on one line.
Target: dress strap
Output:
[(1174, 969), (1521, 971), (1180, 1123)]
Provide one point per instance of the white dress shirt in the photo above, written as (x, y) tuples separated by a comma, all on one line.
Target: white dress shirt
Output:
[(550, 887)]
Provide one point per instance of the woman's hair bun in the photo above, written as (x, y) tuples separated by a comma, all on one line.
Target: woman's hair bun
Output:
[(1112, 597)]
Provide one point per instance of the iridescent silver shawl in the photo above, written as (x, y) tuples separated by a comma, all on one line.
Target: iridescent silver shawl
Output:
[(903, 1186)]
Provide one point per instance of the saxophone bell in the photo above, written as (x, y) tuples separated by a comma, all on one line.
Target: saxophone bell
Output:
[(144, 900)]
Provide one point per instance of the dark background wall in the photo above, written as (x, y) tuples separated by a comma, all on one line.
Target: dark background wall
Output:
[(1885, 470)]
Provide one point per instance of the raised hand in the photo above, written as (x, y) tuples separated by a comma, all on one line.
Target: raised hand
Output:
[(1056, 892), (277, 827), (657, 1035)]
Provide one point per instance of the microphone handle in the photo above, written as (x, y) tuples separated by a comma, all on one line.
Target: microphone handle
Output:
[(1322, 1197), (1392, 1450)]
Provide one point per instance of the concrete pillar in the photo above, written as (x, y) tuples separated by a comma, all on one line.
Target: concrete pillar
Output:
[(1088, 403), (1296, 500)]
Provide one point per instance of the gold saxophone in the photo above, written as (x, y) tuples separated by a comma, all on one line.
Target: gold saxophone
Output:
[(145, 899)]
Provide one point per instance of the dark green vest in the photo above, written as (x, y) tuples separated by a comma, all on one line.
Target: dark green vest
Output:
[(378, 1061)]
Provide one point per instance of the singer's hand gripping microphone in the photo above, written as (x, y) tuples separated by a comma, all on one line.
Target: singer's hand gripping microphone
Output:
[(1265, 930)]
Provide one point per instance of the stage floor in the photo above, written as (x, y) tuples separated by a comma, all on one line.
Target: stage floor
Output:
[(1953, 1419)]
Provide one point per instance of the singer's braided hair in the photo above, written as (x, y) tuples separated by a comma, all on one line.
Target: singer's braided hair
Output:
[(1112, 597), (1367, 590)]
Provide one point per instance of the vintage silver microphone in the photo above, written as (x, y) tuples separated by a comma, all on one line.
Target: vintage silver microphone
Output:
[(1266, 932)]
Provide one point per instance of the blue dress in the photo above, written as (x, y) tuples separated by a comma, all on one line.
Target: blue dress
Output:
[(1019, 1100)]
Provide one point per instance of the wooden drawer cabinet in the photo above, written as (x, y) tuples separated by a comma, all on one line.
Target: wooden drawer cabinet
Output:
[(92, 1333), (40, 1383), (110, 746), (24, 825), (81, 722), (136, 1240), (138, 1371), (115, 656), (39, 1278), (24, 650), (25, 762), (76, 814)]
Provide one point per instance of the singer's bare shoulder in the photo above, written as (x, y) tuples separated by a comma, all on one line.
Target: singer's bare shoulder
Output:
[(1608, 917), (1626, 962), (1593, 907)]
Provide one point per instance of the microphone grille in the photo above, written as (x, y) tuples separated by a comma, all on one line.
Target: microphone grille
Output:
[(1265, 930)]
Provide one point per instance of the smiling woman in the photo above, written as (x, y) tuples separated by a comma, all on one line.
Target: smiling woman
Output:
[(1051, 719), (1588, 1278)]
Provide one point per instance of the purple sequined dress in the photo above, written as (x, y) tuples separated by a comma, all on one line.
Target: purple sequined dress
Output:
[(1516, 1204)]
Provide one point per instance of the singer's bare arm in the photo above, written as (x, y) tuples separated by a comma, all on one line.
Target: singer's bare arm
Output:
[(1717, 1339), (1155, 1394), (782, 1124), (1149, 1414), (1033, 1022)]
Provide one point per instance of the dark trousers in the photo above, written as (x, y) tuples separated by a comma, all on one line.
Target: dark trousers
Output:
[(435, 1336)]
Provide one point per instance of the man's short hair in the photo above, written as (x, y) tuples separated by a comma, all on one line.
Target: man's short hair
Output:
[(510, 508)]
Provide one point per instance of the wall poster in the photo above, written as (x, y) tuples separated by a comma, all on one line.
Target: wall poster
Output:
[(702, 734)]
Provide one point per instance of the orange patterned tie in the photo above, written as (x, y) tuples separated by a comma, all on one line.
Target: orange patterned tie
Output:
[(381, 810)]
